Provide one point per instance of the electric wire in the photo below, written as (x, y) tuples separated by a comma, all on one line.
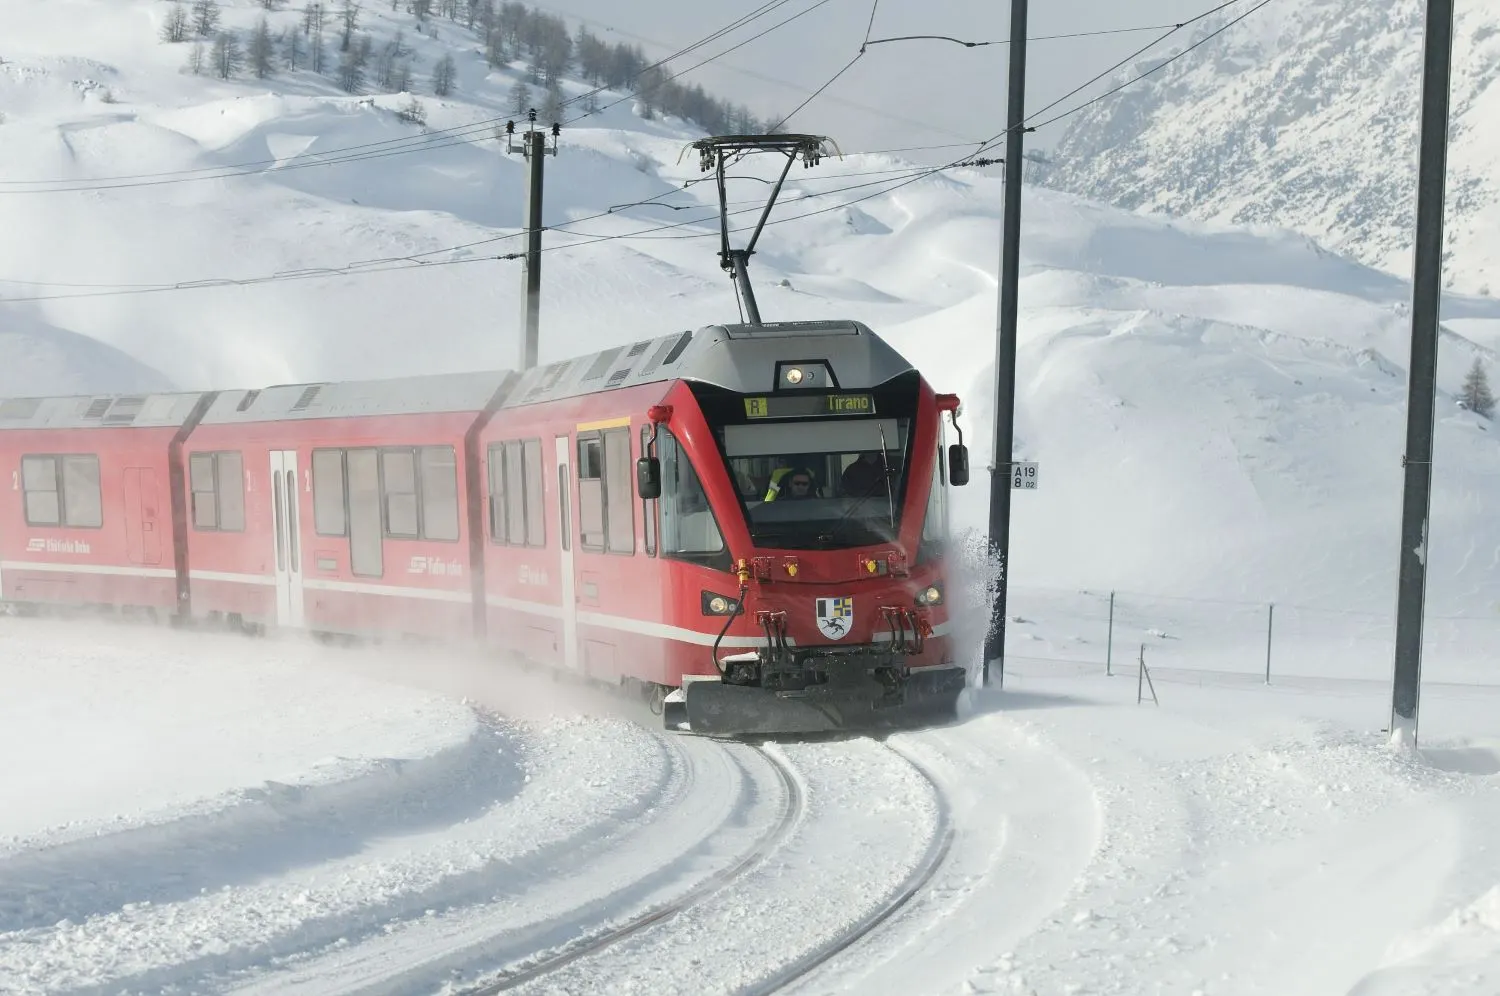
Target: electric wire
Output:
[(409, 143), (460, 134), (415, 261), (699, 65), (1136, 79), (734, 25)]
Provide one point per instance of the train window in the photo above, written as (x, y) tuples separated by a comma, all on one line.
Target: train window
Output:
[(536, 522), (365, 554), (217, 482), (820, 485), (619, 492), (398, 486), (62, 491), (439, 479), (83, 504), (330, 511), (516, 514), (230, 478), (689, 530), (935, 525), (43, 496), (495, 469), (205, 496), (648, 508), (591, 492), (515, 496)]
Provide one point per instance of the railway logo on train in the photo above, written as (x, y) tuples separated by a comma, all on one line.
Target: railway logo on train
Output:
[(835, 616)]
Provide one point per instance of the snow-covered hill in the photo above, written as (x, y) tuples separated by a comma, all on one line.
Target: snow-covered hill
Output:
[(1217, 410), (1305, 115)]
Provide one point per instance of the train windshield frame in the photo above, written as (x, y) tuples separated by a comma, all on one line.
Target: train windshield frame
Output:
[(830, 482)]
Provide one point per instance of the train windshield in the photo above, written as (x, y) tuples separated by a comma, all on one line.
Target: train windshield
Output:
[(823, 484)]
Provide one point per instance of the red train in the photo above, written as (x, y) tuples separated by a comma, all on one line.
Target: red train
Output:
[(746, 522)]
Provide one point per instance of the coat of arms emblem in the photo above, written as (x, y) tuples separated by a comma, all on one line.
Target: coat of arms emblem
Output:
[(835, 616)]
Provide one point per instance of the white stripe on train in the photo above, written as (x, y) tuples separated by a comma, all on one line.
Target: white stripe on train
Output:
[(640, 627)]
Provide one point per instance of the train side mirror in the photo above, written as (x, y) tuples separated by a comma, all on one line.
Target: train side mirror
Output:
[(648, 478), (958, 465)]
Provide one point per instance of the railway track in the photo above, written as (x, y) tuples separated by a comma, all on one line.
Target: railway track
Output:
[(791, 814), (803, 967), (921, 875)]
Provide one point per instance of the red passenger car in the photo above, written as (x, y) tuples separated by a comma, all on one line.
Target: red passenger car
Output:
[(89, 517), (339, 507)]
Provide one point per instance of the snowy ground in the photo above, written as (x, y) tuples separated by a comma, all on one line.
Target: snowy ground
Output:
[(386, 832)]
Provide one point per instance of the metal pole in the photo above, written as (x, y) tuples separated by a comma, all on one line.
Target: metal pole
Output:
[(1427, 289), (740, 260), (1109, 645), (1005, 344), (1270, 618), (536, 152)]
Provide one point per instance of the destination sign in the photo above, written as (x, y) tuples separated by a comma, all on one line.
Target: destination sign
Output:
[(809, 405)]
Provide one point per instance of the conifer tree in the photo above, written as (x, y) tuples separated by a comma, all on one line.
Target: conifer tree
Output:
[(1476, 394)]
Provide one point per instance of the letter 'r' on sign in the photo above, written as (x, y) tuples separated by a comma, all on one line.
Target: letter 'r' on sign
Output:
[(1023, 476)]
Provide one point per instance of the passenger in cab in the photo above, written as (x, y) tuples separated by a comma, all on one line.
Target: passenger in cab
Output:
[(864, 476)]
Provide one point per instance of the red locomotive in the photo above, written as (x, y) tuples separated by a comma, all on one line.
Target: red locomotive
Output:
[(746, 522)]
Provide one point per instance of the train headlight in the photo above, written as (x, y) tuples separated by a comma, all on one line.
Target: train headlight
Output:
[(720, 605), (932, 595), (803, 375)]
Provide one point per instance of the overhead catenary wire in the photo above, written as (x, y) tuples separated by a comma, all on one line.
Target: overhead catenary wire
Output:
[(1028, 122), (409, 143), (699, 65), (457, 135), (1136, 79), (415, 262)]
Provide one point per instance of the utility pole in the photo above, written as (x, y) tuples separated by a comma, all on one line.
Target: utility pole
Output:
[(1005, 344), (534, 147), (1427, 293)]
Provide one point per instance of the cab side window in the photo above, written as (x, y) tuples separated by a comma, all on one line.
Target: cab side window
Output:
[(688, 529)]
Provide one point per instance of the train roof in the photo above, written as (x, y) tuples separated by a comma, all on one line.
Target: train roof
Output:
[(739, 358), (428, 394), (93, 411)]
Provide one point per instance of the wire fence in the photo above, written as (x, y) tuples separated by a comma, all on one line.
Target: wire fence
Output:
[(1222, 640)]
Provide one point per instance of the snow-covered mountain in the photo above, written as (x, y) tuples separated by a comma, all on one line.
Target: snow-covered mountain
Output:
[(1305, 115), (1217, 411)]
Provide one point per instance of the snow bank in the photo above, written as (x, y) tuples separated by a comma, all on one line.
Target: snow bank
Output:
[(113, 727)]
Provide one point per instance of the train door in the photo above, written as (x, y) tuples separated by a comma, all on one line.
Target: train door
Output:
[(142, 516), (565, 539), (284, 495)]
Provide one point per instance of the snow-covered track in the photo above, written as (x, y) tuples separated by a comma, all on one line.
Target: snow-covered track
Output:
[(790, 815), (726, 805), (918, 879), (589, 789)]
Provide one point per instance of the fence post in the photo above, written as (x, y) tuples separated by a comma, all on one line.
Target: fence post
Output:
[(1140, 672), (1270, 620), (1143, 672), (1109, 646)]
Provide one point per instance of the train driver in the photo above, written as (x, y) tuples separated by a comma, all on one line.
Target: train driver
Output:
[(793, 482)]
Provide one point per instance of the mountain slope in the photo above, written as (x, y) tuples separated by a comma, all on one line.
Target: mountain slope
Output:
[(1305, 115), (39, 359)]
